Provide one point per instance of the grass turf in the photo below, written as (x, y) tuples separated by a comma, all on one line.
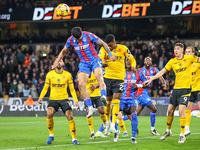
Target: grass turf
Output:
[(31, 132)]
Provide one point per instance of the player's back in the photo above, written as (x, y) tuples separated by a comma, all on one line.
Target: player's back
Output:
[(115, 69), (85, 48), (58, 84)]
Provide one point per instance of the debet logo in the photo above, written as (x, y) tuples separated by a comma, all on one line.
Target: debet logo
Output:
[(125, 10), (185, 7)]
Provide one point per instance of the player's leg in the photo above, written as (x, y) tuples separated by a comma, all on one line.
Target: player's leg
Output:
[(134, 122), (122, 124), (83, 78), (170, 119), (51, 109), (183, 101), (99, 76), (153, 110), (188, 117), (115, 110), (90, 124), (67, 110)]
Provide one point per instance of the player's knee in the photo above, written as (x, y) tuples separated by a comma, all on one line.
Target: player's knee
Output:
[(101, 110), (154, 110), (49, 115), (181, 113), (82, 85), (69, 117), (170, 112)]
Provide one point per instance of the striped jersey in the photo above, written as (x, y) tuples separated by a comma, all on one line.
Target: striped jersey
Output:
[(85, 48), (148, 75), (129, 80)]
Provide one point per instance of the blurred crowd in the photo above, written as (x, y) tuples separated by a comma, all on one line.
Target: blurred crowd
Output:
[(6, 4), (23, 72)]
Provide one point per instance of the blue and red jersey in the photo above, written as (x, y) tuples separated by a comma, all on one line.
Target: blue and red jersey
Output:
[(85, 48), (129, 80), (148, 75)]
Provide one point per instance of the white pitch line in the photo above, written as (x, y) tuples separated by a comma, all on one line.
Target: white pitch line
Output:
[(39, 122), (87, 143)]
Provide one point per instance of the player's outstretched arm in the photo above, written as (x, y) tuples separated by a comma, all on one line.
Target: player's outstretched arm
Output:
[(73, 93), (102, 43), (163, 81), (43, 93), (158, 75), (60, 56)]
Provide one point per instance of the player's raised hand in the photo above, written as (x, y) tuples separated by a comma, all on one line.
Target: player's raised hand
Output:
[(53, 66), (40, 100), (113, 58), (77, 106)]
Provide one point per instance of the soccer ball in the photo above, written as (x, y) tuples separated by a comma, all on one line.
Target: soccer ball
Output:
[(62, 10)]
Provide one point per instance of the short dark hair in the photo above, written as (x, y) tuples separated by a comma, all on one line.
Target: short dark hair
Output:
[(76, 32), (179, 44), (109, 38)]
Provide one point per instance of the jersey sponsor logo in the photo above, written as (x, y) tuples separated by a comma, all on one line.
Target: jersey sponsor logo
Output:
[(81, 47), (185, 7), (181, 69), (128, 81), (49, 13), (193, 73), (125, 10), (58, 85), (148, 77)]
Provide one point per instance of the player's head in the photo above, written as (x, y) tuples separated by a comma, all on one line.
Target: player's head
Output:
[(110, 40), (190, 50), (60, 63), (128, 64), (178, 49), (147, 62), (77, 33)]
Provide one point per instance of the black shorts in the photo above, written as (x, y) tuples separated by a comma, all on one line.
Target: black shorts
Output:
[(64, 104), (126, 111), (114, 86), (96, 102), (180, 97), (195, 96)]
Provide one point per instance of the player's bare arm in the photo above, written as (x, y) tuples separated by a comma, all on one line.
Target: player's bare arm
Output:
[(163, 81), (135, 86), (198, 60), (102, 43), (60, 56), (158, 75)]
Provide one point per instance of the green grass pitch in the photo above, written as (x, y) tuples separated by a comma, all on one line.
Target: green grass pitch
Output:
[(31, 133)]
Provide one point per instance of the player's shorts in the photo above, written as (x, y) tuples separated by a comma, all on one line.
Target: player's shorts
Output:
[(125, 105), (114, 86), (180, 97), (195, 96), (64, 104), (96, 102), (144, 100), (87, 67)]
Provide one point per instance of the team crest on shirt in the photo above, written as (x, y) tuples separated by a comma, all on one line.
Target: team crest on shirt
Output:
[(84, 40), (63, 77), (58, 80), (151, 71), (180, 64), (114, 51)]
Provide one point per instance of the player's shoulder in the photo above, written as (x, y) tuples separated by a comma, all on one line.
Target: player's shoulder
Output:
[(122, 47), (70, 38), (66, 73), (51, 72), (189, 56)]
